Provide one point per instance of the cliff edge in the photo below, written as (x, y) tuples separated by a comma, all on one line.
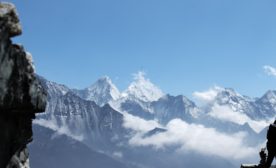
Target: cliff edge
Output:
[(21, 95)]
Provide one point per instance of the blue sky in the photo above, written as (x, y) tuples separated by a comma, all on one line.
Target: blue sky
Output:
[(182, 45)]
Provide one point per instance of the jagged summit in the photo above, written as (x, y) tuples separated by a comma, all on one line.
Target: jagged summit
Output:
[(104, 86), (53, 88), (236, 102), (266, 105), (101, 92), (269, 97), (171, 107), (143, 89), (230, 96)]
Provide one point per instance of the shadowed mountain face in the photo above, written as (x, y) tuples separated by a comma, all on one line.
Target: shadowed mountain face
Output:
[(92, 124), (52, 150), (21, 95)]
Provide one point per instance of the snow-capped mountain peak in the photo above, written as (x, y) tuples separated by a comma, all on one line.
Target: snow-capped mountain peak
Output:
[(234, 100), (101, 92), (103, 85), (269, 97), (143, 89), (228, 95), (266, 105)]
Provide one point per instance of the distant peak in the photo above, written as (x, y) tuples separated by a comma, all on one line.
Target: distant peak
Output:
[(270, 96), (140, 76), (103, 82), (142, 88), (102, 91), (271, 93), (104, 79), (229, 92)]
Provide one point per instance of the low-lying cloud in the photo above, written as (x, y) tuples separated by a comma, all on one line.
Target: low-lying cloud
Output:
[(225, 113), (193, 137), (60, 130), (138, 124)]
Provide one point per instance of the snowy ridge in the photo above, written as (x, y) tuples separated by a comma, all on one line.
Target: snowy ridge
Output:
[(257, 109), (143, 99), (54, 89), (234, 100), (103, 91), (227, 105), (269, 97)]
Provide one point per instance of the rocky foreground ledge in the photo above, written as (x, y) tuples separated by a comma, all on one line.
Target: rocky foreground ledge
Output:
[(21, 95)]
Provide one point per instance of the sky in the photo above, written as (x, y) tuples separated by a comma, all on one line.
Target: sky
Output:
[(182, 45)]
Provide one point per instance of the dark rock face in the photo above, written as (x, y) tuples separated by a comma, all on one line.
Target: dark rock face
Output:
[(21, 95)]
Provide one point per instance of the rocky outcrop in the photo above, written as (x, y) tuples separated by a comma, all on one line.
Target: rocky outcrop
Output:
[(21, 95)]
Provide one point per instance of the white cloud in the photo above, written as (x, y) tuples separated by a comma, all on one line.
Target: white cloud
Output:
[(207, 96), (225, 113), (138, 124), (140, 75), (269, 70), (192, 137), (59, 130)]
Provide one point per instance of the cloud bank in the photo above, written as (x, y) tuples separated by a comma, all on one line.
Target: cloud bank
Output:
[(192, 137)]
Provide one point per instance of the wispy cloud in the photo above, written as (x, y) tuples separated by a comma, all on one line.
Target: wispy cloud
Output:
[(208, 95), (269, 70)]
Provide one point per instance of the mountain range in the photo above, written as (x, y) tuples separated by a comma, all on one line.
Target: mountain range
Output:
[(98, 117)]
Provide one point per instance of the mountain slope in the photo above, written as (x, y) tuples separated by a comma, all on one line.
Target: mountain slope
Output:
[(171, 107), (259, 109), (137, 97), (266, 105), (81, 118), (52, 150), (102, 127)]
